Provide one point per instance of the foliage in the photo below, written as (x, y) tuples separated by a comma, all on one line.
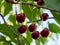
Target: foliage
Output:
[(32, 13)]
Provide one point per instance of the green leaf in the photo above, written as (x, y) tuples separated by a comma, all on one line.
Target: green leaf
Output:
[(2, 38), (8, 8), (1, 1), (43, 40), (5, 43), (27, 11), (54, 4), (23, 40), (27, 42), (0, 4), (40, 40), (24, 0), (12, 19), (56, 17), (54, 28), (31, 12), (37, 41), (28, 37), (36, 13), (5, 30)]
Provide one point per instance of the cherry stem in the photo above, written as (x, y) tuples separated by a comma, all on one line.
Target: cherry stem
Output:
[(15, 10), (18, 23), (42, 24), (40, 20), (3, 37), (27, 3)]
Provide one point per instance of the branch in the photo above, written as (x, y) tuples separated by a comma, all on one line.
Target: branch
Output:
[(27, 3), (40, 20), (11, 29)]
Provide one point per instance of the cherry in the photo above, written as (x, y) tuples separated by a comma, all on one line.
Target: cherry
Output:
[(40, 2), (35, 34), (32, 27), (22, 29), (45, 32), (20, 17), (44, 16)]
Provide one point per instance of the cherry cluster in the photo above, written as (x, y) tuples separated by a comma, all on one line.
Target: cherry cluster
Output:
[(20, 19), (32, 27)]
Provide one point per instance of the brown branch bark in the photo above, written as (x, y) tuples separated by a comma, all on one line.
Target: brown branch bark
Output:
[(27, 3), (40, 20)]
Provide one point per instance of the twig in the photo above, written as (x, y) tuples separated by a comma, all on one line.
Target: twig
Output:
[(11, 29), (40, 20), (17, 36), (15, 10), (27, 3), (4, 39)]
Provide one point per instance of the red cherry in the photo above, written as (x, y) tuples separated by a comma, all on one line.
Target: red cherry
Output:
[(22, 29), (40, 2), (44, 16), (20, 17), (32, 27), (44, 32), (35, 34)]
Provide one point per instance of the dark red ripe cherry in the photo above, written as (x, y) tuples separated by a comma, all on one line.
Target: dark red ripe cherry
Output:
[(44, 16), (35, 34), (32, 27), (22, 29), (44, 32), (20, 17), (40, 2)]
